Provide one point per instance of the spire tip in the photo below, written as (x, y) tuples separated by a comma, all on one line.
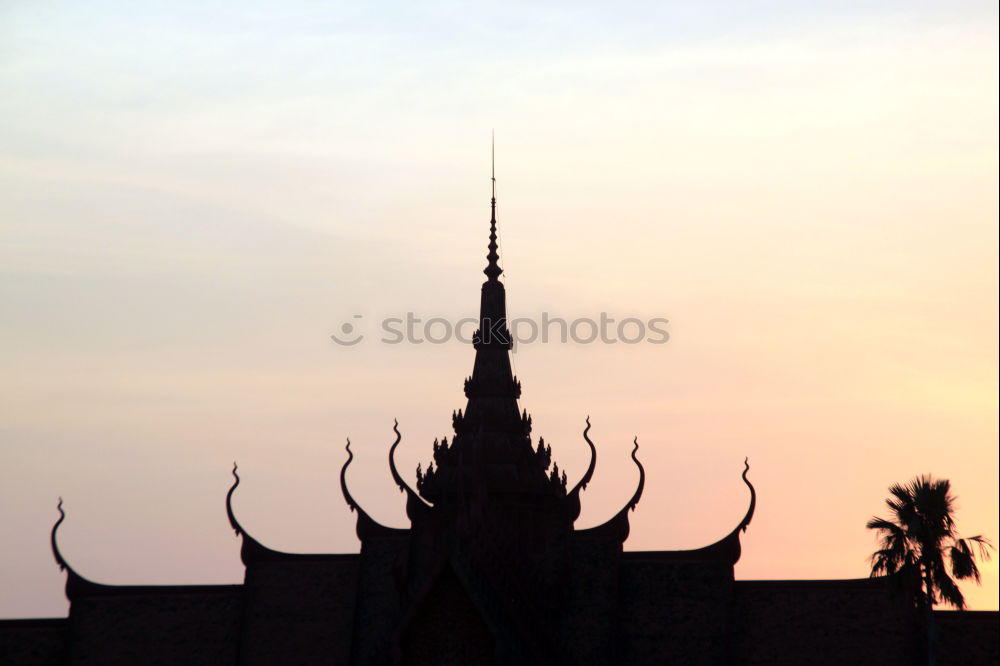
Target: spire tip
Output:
[(493, 269)]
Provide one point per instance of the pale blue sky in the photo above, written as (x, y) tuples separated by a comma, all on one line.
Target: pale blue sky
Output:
[(194, 195)]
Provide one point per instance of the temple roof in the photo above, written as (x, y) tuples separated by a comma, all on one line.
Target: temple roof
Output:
[(491, 458)]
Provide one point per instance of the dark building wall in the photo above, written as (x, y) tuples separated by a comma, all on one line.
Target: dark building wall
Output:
[(968, 638), (32, 642), (300, 612), (377, 610), (821, 622), (668, 613), (674, 612), (590, 618), (194, 628), (448, 629)]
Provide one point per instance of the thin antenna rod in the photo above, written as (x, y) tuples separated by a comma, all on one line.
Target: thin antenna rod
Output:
[(493, 162)]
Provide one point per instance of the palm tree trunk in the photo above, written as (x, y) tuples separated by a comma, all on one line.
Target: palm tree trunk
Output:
[(929, 619)]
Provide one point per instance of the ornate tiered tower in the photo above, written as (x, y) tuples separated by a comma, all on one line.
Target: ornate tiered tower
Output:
[(491, 453), (499, 518), (487, 570)]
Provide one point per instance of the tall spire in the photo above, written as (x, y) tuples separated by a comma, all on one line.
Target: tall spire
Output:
[(492, 449), (493, 269)]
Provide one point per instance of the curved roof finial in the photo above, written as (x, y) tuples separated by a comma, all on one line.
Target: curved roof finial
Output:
[(642, 476), (366, 526), (75, 583), (392, 458), (60, 560), (617, 527), (411, 494), (235, 524), (588, 475), (343, 478), (753, 497)]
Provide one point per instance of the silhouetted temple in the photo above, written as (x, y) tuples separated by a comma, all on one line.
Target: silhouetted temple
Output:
[(491, 571)]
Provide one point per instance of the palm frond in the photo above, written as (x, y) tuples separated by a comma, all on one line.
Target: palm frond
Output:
[(984, 546), (884, 562), (950, 594), (963, 561), (877, 523)]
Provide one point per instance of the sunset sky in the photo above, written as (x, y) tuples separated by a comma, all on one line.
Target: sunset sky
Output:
[(195, 195)]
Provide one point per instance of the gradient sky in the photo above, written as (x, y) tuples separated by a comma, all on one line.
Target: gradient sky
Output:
[(193, 196)]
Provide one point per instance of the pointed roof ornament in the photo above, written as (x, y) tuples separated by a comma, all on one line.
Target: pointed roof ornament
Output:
[(233, 522), (493, 269), (60, 560), (76, 585), (573, 496), (366, 526), (414, 503)]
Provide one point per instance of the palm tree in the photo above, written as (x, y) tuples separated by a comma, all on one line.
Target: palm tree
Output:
[(919, 542)]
